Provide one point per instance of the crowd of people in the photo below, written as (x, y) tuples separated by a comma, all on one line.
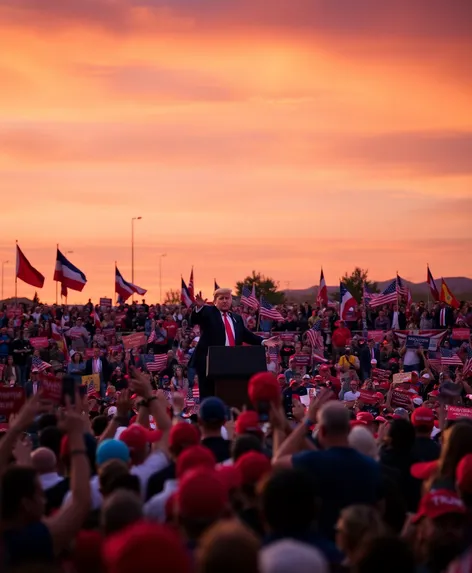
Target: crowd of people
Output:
[(362, 463)]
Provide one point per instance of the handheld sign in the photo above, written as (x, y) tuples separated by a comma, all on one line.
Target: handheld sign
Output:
[(11, 400), (414, 341), (134, 340)]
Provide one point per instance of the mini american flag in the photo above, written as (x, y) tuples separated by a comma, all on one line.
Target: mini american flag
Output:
[(467, 370), (388, 296), (402, 289), (434, 359), (160, 362), (248, 297), (314, 336), (367, 295), (268, 311), (39, 364), (152, 337), (450, 358)]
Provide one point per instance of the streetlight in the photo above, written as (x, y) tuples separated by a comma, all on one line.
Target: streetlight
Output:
[(160, 275), (133, 219), (3, 269)]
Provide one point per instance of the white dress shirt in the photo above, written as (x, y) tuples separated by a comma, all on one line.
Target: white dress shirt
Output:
[(230, 321), (395, 323), (96, 365), (155, 508)]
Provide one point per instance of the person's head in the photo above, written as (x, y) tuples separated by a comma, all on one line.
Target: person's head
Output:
[(288, 502), (10, 361), (50, 437), (457, 442), (228, 546), (423, 421), (99, 424), (44, 461), (355, 525), (77, 357), (181, 437), (119, 510), (96, 353), (245, 443), (334, 424), (400, 436), (22, 497), (212, 415), (138, 440), (362, 440), (223, 299), (179, 372), (109, 450), (290, 555)]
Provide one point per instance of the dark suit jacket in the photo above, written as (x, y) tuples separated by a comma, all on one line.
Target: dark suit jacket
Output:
[(105, 371), (212, 333), (449, 318), (29, 388), (401, 320), (365, 358)]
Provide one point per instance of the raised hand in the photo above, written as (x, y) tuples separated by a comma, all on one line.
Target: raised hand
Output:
[(124, 403), (270, 342), (140, 383), (34, 407), (199, 300), (72, 422)]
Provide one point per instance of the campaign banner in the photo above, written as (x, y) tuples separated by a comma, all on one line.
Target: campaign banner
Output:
[(106, 302), (287, 336), (115, 348), (91, 379), (88, 352), (119, 318), (376, 335), (400, 399), (456, 412), (413, 341), (39, 342), (11, 400), (134, 340), (461, 333), (51, 388), (301, 359), (380, 375), (401, 377), (367, 397)]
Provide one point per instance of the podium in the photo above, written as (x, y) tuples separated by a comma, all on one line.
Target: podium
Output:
[(231, 367)]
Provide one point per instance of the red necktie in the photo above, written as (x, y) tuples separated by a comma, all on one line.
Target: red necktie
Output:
[(229, 332)]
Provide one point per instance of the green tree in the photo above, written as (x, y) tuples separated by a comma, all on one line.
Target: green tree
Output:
[(265, 286), (355, 283), (36, 298), (172, 297)]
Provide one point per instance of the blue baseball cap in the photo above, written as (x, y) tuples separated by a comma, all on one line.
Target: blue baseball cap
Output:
[(212, 409), (112, 450)]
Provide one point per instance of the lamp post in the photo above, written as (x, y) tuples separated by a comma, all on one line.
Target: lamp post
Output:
[(160, 275), (133, 219), (3, 270)]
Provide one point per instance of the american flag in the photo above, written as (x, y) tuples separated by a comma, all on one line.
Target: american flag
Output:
[(367, 295), (216, 286), (402, 289), (268, 311), (160, 362), (450, 358), (434, 359), (191, 287), (467, 370), (152, 337), (195, 399), (39, 364), (318, 358), (248, 297), (388, 296), (314, 336)]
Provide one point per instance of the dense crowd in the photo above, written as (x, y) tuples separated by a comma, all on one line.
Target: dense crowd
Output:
[(363, 462)]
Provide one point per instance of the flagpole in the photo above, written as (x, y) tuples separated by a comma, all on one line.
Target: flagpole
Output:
[(259, 315), (57, 282), (115, 298), (398, 294), (16, 278), (429, 286)]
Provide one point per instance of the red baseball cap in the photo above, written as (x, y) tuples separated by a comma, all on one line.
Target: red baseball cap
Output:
[(464, 474), (366, 417), (248, 421), (193, 457), (128, 550), (202, 495), (183, 435), (136, 437), (423, 416), (423, 470), (263, 387), (231, 476), (253, 466), (437, 503)]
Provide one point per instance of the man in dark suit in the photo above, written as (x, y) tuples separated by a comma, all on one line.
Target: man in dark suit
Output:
[(443, 316), (367, 354), (33, 384), (219, 327), (98, 365)]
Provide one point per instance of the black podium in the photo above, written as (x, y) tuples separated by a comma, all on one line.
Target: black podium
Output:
[(231, 367)]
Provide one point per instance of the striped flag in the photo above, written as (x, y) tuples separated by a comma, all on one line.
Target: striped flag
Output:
[(152, 337), (314, 336), (185, 297), (36, 362), (124, 289), (388, 296), (96, 319), (402, 289), (191, 287), (432, 285), (367, 295), (434, 359), (467, 370), (450, 358), (268, 311), (160, 362), (322, 297), (248, 297), (68, 274), (216, 286)]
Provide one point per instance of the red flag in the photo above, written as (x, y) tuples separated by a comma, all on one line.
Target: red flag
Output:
[(63, 290), (447, 296), (322, 298), (26, 272)]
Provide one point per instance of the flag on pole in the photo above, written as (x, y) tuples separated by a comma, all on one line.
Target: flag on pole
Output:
[(160, 362), (248, 297), (347, 301), (367, 295), (322, 298), (467, 370), (96, 319), (268, 311), (216, 285), (191, 287), (26, 272), (402, 289), (450, 358), (315, 337), (152, 337), (447, 296), (68, 274), (185, 295), (432, 285), (388, 296), (36, 362), (124, 289), (63, 290)]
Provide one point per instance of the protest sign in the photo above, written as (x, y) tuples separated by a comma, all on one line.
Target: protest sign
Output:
[(39, 342), (134, 340), (380, 375), (400, 377), (414, 341), (11, 400), (461, 333), (51, 388), (106, 302), (92, 381), (367, 397), (456, 412), (401, 399), (301, 359)]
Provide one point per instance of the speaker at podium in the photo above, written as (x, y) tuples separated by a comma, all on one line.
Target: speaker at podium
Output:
[(231, 367)]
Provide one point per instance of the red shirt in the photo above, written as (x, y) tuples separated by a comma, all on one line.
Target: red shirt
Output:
[(341, 336), (171, 326)]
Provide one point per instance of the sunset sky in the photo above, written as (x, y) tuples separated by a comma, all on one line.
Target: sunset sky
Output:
[(276, 135)]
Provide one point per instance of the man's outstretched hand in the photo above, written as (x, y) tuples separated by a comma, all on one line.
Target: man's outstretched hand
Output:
[(199, 300)]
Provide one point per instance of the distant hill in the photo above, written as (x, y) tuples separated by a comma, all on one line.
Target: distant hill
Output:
[(460, 286)]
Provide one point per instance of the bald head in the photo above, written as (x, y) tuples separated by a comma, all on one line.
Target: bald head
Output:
[(44, 460), (120, 509)]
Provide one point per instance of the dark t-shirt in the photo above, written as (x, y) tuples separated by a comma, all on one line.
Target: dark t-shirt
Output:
[(55, 495), (32, 544), (156, 481), (219, 446), (343, 477), (425, 450)]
